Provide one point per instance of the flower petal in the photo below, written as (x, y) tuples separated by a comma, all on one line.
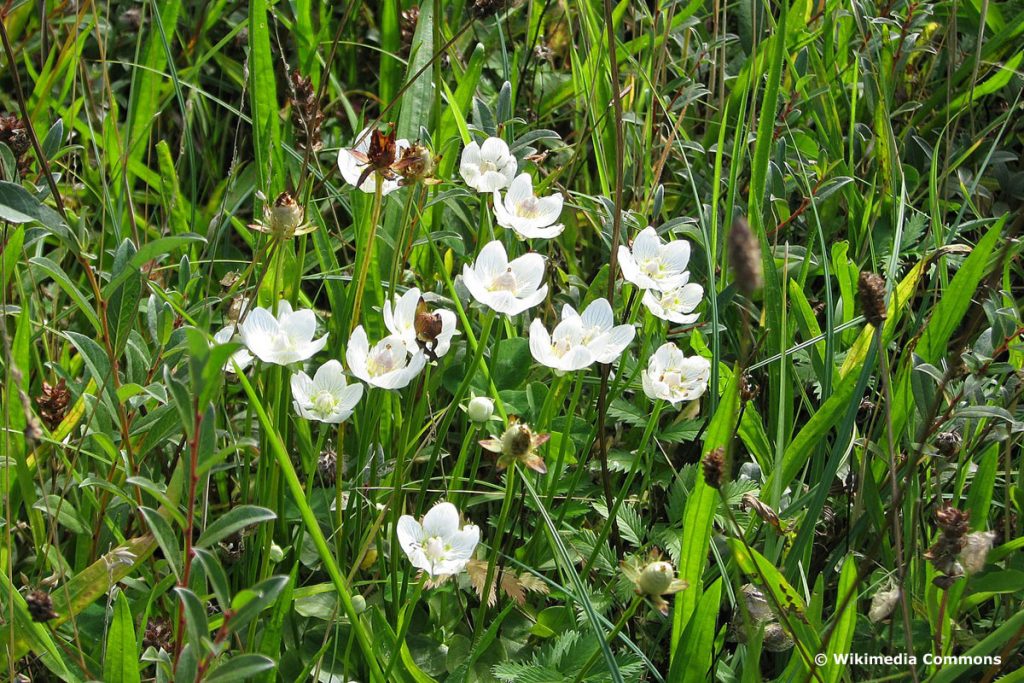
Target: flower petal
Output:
[(441, 520)]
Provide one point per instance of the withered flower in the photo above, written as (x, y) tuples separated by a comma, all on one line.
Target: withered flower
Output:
[(871, 292), (655, 578), (518, 444), (40, 606), (415, 164), (53, 403), (283, 219)]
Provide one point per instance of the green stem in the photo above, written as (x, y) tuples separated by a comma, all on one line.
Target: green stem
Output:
[(313, 528), (633, 469), (367, 255), (492, 566), (404, 619)]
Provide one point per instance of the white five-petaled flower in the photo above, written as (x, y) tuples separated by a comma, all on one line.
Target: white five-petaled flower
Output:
[(652, 264), (675, 305), (387, 365), (326, 397), (419, 328), (288, 338), (437, 545), (241, 357), (487, 167), (578, 340), (673, 377), (352, 166), (526, 213), (507, 287)]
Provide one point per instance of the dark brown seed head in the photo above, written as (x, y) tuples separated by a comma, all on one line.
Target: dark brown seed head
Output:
[(158, 634), (481, 9), (327, 467), (714, 468), (871, 291), (307, 117), (53, 403), (749, 389), (948, 443), (40, 606), (952, 521), (745, 256)]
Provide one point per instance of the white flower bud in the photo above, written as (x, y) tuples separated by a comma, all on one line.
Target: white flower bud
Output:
[(480, 409), (276, 553), (656, 578), (359, 603)]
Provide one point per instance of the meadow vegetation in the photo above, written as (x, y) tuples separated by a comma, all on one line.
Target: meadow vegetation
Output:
[(545, 341)]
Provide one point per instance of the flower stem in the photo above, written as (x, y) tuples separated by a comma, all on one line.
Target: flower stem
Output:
[(633, 469), (404, 619), (492, 566), (367, 254)]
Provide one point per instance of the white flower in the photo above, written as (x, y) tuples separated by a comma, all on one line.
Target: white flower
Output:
[(650, 264), (438, 546), (580, 340), (241, 357), (419, 327), (487, 167), (326, 397), (673, 377), (675, 305), (288, 338), (387, 365), (352, 165), (507, 287), (526, 213)]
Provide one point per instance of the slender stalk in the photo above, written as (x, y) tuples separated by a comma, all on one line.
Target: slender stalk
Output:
[(366, 254)]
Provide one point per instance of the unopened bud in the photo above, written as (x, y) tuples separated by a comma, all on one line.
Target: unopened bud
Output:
[(480, 409), (656, 578)]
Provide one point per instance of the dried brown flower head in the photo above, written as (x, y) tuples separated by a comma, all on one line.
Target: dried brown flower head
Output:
[(948, 443), (40, 606), (327, 466), (307, 117), (871, 292), (53, 403), (415, 164), (158, 634), (714, 467)]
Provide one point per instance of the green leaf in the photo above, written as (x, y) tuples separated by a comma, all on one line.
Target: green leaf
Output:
[(699, 514), (123, 302), (951, 307), (17, 205), (196, 622), (58, 275), (846, 621), (266, 128), (511, 363), (240, 668), (121, 660), (692, 662), (232, 521), (165, 538)]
